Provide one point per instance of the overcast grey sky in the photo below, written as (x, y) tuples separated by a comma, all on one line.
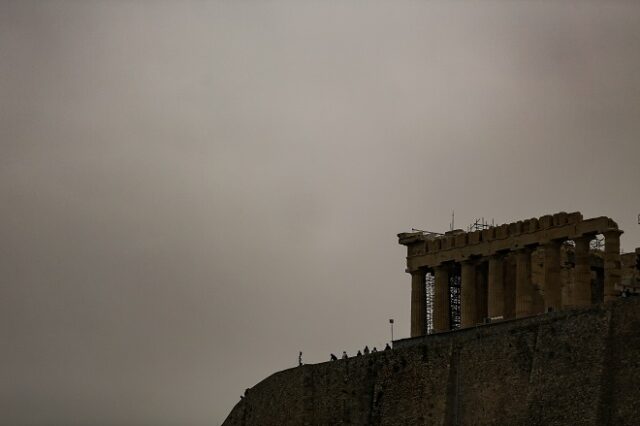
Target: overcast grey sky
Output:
[(192, 192)]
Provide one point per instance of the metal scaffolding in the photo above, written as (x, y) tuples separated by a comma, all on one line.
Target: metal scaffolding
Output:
[(431, 292), (480, 224), (455, 280)]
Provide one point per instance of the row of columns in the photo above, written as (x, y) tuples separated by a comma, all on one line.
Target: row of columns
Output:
[(496, 285)]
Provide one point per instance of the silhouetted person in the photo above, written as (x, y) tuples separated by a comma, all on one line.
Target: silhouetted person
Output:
[(387, 347), (344, 355), (300, 358), (374, 350), (333, 357), (366, 350), (359, 353)]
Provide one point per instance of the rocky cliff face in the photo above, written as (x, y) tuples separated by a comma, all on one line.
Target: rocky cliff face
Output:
[(567, 368)]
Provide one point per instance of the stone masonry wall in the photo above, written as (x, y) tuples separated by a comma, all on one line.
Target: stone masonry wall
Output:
[(578, 367)]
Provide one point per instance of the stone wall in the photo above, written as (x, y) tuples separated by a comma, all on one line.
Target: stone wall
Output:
[(579, 367)]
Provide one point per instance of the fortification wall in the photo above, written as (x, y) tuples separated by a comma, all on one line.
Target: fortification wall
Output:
[(578, 367)]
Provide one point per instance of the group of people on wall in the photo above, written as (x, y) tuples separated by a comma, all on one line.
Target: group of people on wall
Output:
[(365, 351)]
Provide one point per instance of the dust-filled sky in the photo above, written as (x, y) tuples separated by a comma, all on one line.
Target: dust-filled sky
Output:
[(193, 192)]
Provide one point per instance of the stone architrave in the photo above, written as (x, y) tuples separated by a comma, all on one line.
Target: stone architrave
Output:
[(468, 296), (441, 321), (418, 303), (552, 282), (582, 287), (612, 266), (495, 286), (524, 288)]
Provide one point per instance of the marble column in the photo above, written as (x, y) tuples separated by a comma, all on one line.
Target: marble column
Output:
[(418, 303), (495, 286), (582, 284), (468, 296), (597, 293), (524, 288), (552, 282), (441, 321), (611, 264), (482, 292)]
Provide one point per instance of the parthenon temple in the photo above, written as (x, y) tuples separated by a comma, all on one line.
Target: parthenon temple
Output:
[(515, 270)]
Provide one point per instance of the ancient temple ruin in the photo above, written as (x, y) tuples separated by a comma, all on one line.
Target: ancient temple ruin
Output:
[(571, 366), (515, 270)]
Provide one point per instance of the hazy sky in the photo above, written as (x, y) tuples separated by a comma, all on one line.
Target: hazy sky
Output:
[(192, 192)]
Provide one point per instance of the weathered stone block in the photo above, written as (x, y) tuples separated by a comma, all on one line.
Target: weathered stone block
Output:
[(417, 249), (574, 217), (448, 243), (546, 221), (515, 229), (488, 234), (560, 219), (531, 225), (475, 237), (461, 240), (434, 245), (502, 231)]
